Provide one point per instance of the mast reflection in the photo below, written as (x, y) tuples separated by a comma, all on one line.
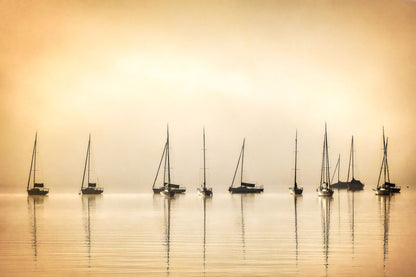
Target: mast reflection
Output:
[(88, 205), (325, 218), (295, 199), (166, 205), (32, 202), (205, 230), (351, 203), (385, 210), (243, 227)]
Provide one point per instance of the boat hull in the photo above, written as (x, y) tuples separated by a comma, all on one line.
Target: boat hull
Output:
[(37, 191), (205, 191), (355, 185), (167, 193), (325, 192), (339, 185), (244, 189), (91, 190), (158, 190), (179, 190), (296, 191), (395, 190), (382, 191)]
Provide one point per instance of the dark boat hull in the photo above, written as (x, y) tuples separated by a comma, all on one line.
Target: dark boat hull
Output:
[(339, 185), (325, 192), (90, 190), (296, 191), (174, 190), (37, 191), (205, 191), (355, 185), (244, 189), (158, 190)]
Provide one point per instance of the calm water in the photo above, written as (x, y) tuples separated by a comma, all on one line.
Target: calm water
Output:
[(352, 234)]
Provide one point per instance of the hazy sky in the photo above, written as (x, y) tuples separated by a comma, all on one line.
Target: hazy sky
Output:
[(122, 70)]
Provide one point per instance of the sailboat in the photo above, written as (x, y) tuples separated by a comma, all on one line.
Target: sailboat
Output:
[(296, 190), (167, 189), (203, 190), (244, 187), (37, 188), (353, 184), (324, 189), (339, 184), (91, 188), (386, 187)]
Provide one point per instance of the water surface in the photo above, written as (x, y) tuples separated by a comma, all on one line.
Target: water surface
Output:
[(352, 234)]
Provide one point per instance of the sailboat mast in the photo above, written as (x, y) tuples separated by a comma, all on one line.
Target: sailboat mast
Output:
[(89, 158), (385, 156), (85, 166), (31, 162), (242, 160), (158, 169), (204, 163), (387, 164), (34, 161), (327, 159), (352, 156), (323, 161), (296, 157), (168, 157), (238, 163), (339, 164)]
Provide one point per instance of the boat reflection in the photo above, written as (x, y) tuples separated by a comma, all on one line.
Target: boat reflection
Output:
[(205, 199), (88, 205), (325, 219), (295, 199), (166, 205), (385, 217), (32, 202), (351, 194), (243, 227)]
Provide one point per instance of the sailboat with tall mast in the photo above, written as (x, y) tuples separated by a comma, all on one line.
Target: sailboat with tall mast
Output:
[(37, 188), (90, 188), (167, 189), (244, 187), (339, 184), (203, 190), (354, 184), (386, 187), (324, 189), (296, 190)]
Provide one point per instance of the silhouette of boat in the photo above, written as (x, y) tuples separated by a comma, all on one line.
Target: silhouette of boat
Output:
[(354, 184), (168, 189), (203, 190), (37, 188), (91, 188), (295, 190), (386, 187), (244, 187), (324, 189), (339, 184)]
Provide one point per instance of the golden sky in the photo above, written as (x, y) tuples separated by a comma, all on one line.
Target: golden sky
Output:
[(122, 70)]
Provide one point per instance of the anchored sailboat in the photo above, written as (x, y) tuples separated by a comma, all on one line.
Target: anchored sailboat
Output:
[(339, 184), (167, 189), (203, 189), (324, 189), (244, 187), (296, 190), (386, 187), (91, 188), (37, 188), (353, 184)]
